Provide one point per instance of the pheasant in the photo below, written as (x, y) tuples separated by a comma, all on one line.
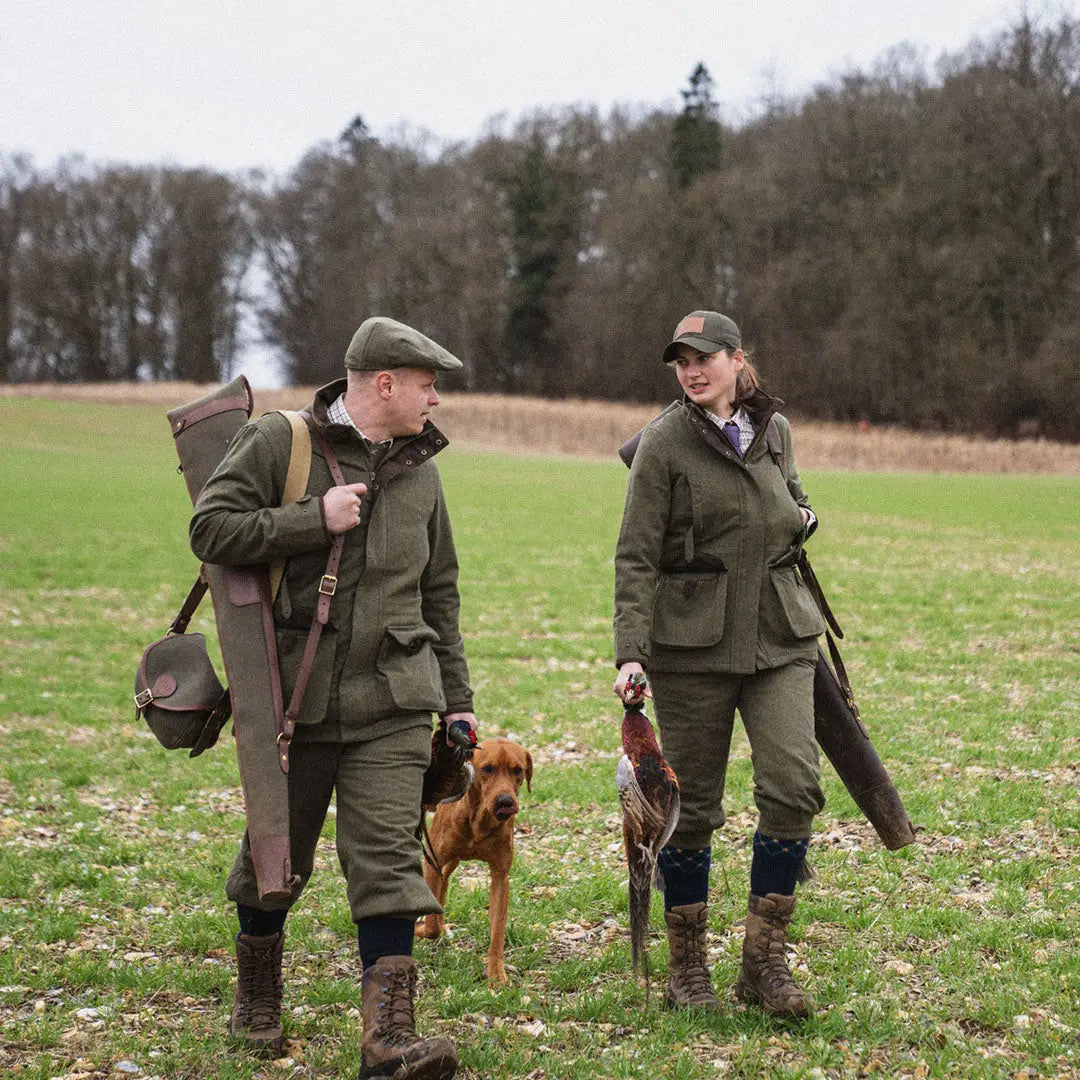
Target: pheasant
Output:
[(649, 796)]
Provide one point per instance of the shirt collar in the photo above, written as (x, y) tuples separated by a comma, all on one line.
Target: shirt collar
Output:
[(741, 418), (337, 414)]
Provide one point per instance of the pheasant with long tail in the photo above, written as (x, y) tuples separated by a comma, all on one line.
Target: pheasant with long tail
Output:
[(649, 796)]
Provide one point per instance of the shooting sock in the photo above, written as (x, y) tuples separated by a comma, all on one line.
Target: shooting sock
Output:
[(775, 865), (260, 923), (685, 872), (383, 935)]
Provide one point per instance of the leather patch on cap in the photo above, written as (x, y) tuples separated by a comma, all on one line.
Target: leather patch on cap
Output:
[(692, 324)]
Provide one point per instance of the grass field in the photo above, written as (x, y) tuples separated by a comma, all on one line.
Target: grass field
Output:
[(955, 957)]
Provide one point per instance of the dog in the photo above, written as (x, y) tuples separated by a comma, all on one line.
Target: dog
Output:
[(481, 826)]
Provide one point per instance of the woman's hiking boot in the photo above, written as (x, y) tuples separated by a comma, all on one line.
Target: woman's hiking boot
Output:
[(765, 978), (689, 985)]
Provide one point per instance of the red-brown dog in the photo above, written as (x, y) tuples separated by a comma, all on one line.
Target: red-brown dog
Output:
[(481, 826)]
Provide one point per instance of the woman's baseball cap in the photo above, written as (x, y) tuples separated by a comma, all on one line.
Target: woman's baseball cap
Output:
[(706, 331)]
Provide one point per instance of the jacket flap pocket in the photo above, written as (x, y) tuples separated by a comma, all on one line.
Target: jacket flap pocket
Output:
[(803, 616), (689, 609), (412, 638), (407, 662)]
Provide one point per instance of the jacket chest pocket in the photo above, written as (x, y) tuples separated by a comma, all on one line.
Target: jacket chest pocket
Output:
[(689, 609), (408, 663)]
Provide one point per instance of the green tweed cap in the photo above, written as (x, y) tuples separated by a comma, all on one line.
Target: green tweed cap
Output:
[(706, 331), (382, 343)]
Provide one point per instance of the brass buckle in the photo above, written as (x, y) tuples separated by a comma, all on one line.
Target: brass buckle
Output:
[(144, 698), (328, 585), (283, 741)]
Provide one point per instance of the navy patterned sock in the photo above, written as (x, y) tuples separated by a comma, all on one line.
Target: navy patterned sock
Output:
[(686, 875), (775, 866), (260, 923), (383, 935)]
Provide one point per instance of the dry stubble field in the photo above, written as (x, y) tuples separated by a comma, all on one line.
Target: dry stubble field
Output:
[(592, 428)]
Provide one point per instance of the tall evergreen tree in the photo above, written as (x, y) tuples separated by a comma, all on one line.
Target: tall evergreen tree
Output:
[(696, 135), (541, 201)]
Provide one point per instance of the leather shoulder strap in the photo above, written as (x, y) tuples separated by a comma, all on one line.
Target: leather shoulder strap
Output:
[(296, 480), (772, 441)]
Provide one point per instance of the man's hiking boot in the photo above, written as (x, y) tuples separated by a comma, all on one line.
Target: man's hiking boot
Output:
[(765, 978), (391, 1047), (689, 985), (256, 1015)]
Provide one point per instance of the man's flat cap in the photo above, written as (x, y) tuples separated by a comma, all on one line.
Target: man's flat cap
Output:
[(382, 343)]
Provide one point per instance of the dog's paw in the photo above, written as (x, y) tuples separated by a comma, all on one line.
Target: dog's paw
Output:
[(429, 927), (496, 975)]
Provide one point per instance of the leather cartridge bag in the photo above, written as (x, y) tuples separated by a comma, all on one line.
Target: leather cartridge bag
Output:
[(179, 695)]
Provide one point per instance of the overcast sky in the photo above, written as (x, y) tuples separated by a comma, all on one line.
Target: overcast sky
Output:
[(234, 84), (237, 84)]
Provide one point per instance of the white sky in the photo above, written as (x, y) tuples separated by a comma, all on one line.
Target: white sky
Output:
[(233, 84)]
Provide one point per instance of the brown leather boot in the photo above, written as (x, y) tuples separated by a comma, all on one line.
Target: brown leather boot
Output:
[(391, 1047), (765, 978), (689, 985), (256, 1015)]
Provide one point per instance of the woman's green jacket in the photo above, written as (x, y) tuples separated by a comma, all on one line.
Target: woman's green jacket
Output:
[(705, 576)]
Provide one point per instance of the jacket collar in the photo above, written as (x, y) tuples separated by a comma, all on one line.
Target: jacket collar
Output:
[(759, 405), (407, 451)]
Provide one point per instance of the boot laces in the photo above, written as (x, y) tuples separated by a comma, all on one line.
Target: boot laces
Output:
[(265, 990), (396, 1025), (261, 987), (770, 947), (696, 981), (694, 969)]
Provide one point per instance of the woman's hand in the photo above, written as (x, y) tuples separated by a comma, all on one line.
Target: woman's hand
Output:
[(631, 667)]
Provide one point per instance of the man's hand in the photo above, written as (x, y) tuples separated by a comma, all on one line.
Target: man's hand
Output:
[(454, 717), (341, 507)]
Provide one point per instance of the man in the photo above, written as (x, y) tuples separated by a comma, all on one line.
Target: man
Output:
[(390, 655)]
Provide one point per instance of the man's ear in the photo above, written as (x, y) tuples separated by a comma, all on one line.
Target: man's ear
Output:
[(384, 384)]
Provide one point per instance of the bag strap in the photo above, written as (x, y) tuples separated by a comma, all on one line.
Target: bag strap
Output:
[(772, 441), (810, 580), (806, 571), (189, 606), (296, 480), (327, 588)]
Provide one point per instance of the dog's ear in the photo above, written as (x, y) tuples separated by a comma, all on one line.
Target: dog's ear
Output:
[(528, 770), (473, 795)]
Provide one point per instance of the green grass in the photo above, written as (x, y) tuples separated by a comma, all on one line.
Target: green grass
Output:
[(956, 957)]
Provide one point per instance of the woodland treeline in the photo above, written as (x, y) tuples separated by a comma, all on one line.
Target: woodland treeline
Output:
[(898, 246)]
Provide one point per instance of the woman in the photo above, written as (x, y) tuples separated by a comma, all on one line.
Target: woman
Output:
[(708, 602)]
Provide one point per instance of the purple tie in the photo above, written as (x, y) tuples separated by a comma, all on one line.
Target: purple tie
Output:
[(731, 430)]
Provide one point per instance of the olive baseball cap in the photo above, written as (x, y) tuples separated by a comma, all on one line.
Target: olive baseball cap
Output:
[(382, 343), (706, 331)]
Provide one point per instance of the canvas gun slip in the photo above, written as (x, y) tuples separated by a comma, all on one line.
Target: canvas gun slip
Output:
[(243, 605)]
